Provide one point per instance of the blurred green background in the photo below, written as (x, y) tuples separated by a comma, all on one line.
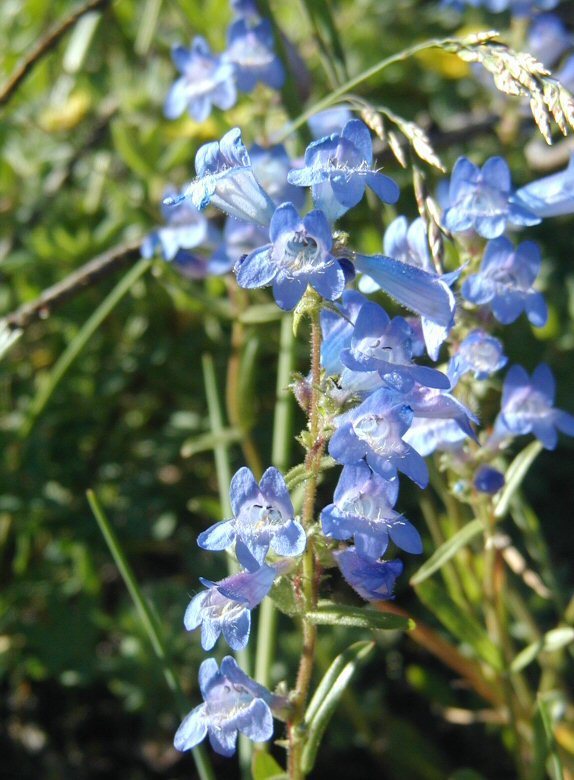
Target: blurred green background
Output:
[(85, 156)]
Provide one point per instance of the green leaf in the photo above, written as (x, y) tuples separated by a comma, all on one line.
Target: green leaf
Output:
[(209, 441), (283, 596), (553, 640), (264, 767), (260, 314), (330, 614), (447, 550), (515, 474), (460, 624), (546, 761), (327, 696)]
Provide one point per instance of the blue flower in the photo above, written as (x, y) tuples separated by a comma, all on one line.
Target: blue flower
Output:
[(250, 49), (363, 509), (206, 79), (245, 9), (409, 244), (427, 294), (186, 229), (263, 519), (480, 353), (551, 196), (331, 120), (528, 407), (337, 330), (225, 607), (384, 345), (233, 703), (488, 480), (516, 7), (225, 178), (271, 166), (480, 199), (374, 430), (428, 434), (373, 580), (239, 239), (338, 169), (299, 254), (504, 282)]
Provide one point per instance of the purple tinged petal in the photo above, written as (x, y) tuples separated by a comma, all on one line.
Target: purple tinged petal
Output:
[(496, 173), (290, 541), (358, 134), (256, 721), (406, 536), (223, 741), (543, 381), (209, 676), (236, 632), (316, 225), (383, 186), (219, 537), (329, 282), (192, 617), (274, 489), (288, 291), (244, 489), (192, 730), (345, 447), (284, 219), (536, 310), (348, 189), (564, 422), (258, 269), (176, 100)]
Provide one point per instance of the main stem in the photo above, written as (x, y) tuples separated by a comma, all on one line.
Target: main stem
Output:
[(309, 575)]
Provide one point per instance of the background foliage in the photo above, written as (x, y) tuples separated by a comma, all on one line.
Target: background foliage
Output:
[(85, 157)]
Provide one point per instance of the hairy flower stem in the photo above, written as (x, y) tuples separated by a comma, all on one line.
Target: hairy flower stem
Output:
[(312, 466)]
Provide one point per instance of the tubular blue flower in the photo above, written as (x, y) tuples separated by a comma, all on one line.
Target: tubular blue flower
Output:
[(363, 509), (337, 330), (263, 519), (504, 282), (374, 430), (480, 353), (528, 407), (225, 607), (186, 229), (299, 254), (516, 7), (429, 403), (233, 703), (206, 80), (225, 178), (427, 294), (480, 199), (488, 480), (373, 580), (428, 434), (250, 49), (271, 166), (408, 244), (338, 169), (384, 345), (239, 239), (551, 196)]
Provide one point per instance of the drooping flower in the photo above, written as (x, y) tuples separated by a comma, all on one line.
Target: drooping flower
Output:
[(373, 580), (488, 480), (239, 239), (408, 244), (338, 169), (427, 294), (527, 406), (225, 607), (250, 49), (479, 353), (186, 229), (337, 330), (299, 254), (225, 178), (206, 80), (480, 199), (551, 196), (363, 509), (263, 519), (374, 431), (233, 703), (504, 282), (384, 345)]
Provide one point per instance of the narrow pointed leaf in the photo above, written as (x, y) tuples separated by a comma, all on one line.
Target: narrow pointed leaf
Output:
[(515, 474), (447, 550), (327, 696), (553, 640), (329, 614)]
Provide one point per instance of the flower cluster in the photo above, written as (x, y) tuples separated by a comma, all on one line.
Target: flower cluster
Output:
[(209, 79)]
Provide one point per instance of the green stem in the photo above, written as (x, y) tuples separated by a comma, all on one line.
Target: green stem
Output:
[(341, 91), (150, 625), (309, 575)]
